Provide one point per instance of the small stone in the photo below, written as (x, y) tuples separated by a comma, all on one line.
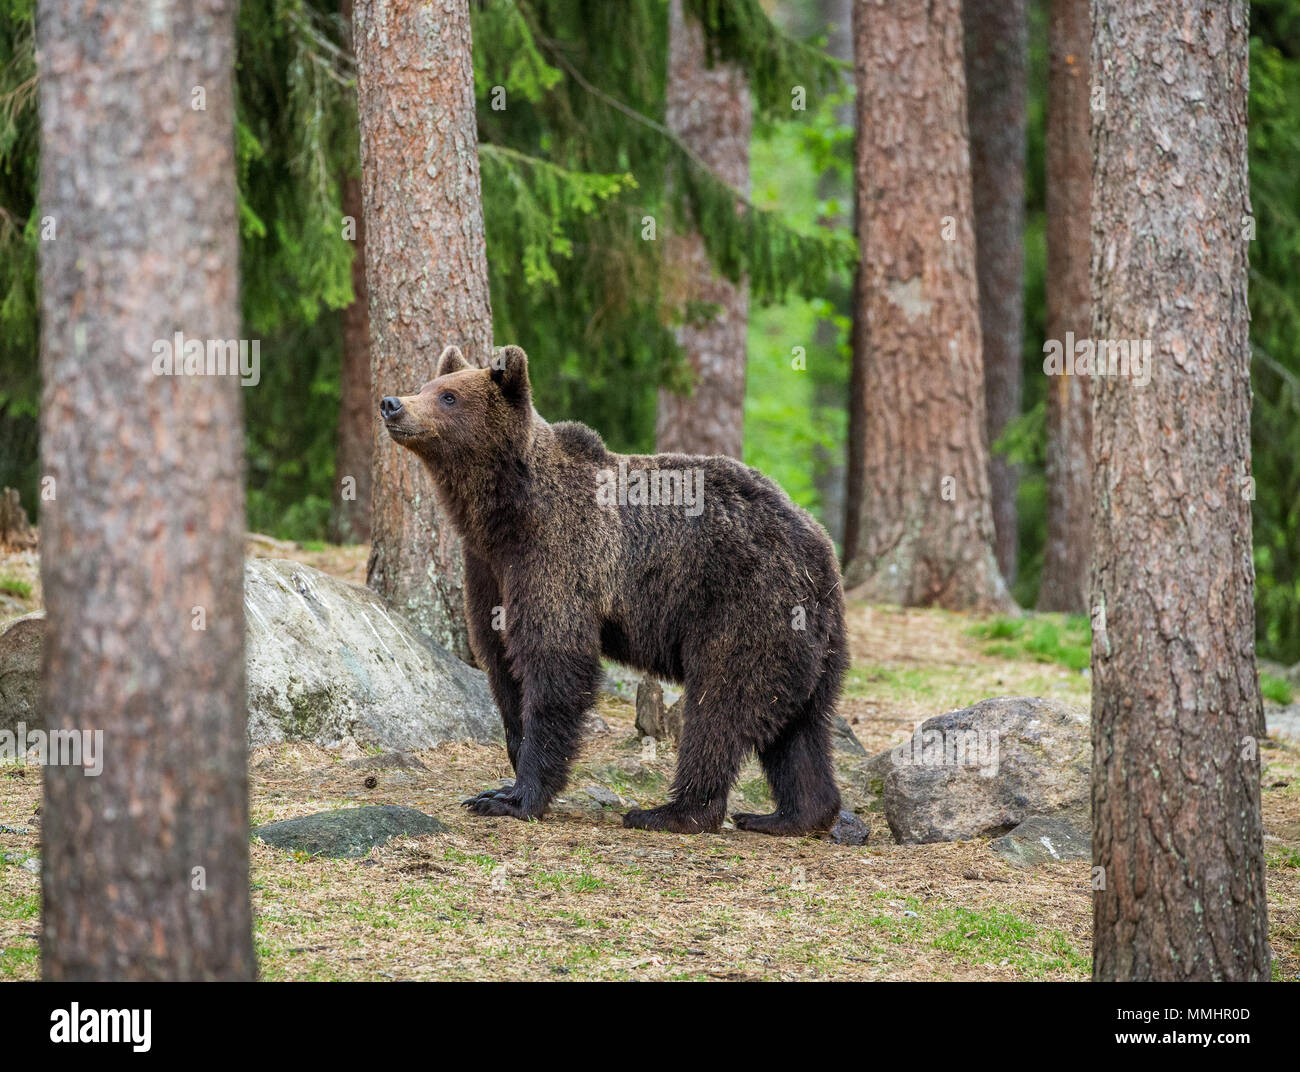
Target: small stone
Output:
[(348, 831), (1043, 839), (606, 798), (849, 830), (31, 864)]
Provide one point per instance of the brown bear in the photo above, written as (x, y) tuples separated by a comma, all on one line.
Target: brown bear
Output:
[(697, 570)]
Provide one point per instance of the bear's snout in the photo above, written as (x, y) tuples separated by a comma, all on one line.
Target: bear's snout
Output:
[(390, 407)]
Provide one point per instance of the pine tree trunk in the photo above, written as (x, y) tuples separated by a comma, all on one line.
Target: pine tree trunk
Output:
[(923, 524), (709, 109), (1063, 585), (145, 865), (1176, 707), (997, 42), (426, 274), (350, 514)]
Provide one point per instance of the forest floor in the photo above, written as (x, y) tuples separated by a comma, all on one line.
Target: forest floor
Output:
[(576, 896)]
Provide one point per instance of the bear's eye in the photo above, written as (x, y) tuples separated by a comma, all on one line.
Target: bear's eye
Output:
[(447, 398)]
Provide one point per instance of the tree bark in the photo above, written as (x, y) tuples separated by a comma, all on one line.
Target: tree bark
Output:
[(145, 865), (1177, 833), (1063, 585), (997, 43), (709, 110), (922, 521), (426, 274), (350, 515)]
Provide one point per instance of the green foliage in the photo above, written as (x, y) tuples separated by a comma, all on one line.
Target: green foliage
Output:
[(19, 231), (796, 420), (740, 32), (1024, 440), (1274, 138), (296, 140), (536, 202), (1046, 638), (1277, 689), (506, 56), (582, 184), (574, 156), (14, 586)]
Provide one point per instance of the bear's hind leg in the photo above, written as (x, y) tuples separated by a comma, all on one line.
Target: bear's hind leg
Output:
[(798, 768), (712, 749)]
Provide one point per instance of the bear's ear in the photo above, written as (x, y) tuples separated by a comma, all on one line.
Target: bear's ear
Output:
[(452, 360), (509, 369)]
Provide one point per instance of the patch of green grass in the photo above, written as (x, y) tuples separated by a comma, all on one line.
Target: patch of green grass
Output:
[(20, 960), (872, 680), (15, 586), (313, 545), (1286, 857), (583, 882), (1045, 638), (1276, 689), (991, 936), (20, 906)]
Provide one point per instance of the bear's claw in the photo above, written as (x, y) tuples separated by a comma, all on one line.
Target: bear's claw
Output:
[(773, 823), (672, 819), (500, 802)]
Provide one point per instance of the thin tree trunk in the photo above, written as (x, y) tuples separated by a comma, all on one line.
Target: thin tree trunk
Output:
[(350, 514), (1063, 585), (1177, 834), (145, 865), (426, 270), (923, 531), (997, 43), (709, 109)]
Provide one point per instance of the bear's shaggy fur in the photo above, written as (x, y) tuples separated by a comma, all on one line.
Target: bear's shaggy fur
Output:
[(573, 552)]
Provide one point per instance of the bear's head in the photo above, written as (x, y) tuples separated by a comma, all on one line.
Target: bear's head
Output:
[(466, 415)]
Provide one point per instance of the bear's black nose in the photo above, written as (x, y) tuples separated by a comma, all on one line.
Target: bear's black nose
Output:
[(390, 407)]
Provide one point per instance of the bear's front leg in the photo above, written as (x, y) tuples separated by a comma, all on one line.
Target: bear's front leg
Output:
[(559, 685), (483, 607)]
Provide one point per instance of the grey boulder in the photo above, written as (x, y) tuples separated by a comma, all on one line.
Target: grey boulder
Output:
[(325, 660), (328, 660), (983, 770), (20, 671)]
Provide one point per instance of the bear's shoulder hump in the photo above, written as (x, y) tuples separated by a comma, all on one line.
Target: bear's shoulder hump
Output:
[(578, 439)]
